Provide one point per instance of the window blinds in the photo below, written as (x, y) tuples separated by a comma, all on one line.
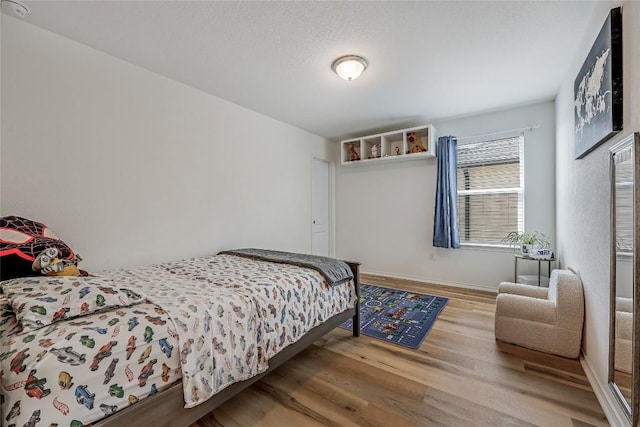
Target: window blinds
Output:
[(490, 190), (624, 201)]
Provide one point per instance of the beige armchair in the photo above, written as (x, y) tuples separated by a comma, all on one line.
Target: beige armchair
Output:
[(624, 331), (544, 319)]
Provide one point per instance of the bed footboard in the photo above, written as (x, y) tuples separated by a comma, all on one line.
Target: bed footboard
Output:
[(355, 268)]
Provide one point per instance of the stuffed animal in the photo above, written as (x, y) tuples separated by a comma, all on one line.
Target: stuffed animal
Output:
[(21, 241), (353, 153), (49, 264), (375, 151), (415, 146)]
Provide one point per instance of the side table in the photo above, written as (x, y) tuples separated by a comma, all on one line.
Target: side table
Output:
[(528, 258)]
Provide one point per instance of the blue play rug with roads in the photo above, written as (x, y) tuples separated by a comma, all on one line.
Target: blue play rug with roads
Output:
[(397, 316)]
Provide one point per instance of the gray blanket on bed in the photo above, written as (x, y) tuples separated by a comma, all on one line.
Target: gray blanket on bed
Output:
[(335, 271)]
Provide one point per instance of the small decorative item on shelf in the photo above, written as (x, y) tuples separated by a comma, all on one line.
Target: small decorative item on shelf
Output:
[(375, 151), (415, 146), (401, 145), (353, 154), (533, 244)]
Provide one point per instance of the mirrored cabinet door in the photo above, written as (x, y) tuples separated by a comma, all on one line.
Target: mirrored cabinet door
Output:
[(622, 372)]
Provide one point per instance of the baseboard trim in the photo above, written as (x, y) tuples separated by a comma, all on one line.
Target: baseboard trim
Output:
[(607, 400), (493, 290)]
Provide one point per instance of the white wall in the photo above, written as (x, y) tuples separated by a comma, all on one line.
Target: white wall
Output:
[(582, 188), (129, 167), (385, 212)]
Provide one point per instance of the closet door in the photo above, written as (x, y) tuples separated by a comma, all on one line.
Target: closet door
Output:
[(320, 208)]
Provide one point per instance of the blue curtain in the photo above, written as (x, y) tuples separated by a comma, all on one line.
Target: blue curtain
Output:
[(445, 220)]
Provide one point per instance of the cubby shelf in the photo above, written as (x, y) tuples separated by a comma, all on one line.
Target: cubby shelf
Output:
[(394, 146)]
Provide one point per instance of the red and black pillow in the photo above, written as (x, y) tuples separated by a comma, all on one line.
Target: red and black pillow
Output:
[(21, 241)]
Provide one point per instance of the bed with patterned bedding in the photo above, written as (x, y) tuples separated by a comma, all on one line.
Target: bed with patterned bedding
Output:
[(75, 350)]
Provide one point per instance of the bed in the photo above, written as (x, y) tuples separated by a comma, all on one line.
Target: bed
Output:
[(159, 345)]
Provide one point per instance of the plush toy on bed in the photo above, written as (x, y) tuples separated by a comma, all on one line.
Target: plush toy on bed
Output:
[(49, 264), (22, 240)]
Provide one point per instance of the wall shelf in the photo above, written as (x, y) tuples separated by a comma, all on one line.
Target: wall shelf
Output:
[(394, 146)]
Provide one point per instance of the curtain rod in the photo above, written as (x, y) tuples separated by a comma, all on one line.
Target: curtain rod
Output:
[(529, 128)]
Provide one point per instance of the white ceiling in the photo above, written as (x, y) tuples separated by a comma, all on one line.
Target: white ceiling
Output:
[(427, 60)]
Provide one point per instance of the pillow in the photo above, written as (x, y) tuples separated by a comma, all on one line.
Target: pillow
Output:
[(43, 300), (21, 241)]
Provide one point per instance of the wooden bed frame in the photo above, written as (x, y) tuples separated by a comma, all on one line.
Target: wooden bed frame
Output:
[(166, 408)]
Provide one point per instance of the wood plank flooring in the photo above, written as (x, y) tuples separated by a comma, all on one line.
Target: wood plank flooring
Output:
[(458, 377)]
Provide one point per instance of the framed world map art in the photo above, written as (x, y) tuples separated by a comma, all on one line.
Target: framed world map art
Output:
[(598, 89)]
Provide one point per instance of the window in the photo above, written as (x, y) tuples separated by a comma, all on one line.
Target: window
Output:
[(490, 190), (624, 202)]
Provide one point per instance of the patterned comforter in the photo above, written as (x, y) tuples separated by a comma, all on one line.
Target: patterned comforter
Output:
[(211, 321)]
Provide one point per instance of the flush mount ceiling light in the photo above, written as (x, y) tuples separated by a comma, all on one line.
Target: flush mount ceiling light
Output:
[(17, 7), (349, 67)]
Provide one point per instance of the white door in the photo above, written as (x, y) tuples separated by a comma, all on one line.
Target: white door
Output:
[(320, 208)]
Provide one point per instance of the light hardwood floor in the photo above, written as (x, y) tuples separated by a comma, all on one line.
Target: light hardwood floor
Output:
[(458, 377)]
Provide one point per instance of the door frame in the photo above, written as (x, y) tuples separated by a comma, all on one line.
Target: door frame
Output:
[(330, 205)]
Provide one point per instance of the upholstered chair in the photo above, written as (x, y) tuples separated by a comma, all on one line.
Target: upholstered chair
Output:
[(624, 329), (544, 319)]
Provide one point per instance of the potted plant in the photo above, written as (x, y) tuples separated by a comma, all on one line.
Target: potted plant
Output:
[(528, 242)]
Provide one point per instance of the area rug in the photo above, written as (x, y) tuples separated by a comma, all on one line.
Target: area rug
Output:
[(397, 316)]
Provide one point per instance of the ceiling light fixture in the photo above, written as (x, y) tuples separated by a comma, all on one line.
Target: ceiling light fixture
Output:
[(349, 67), (17, 7)]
